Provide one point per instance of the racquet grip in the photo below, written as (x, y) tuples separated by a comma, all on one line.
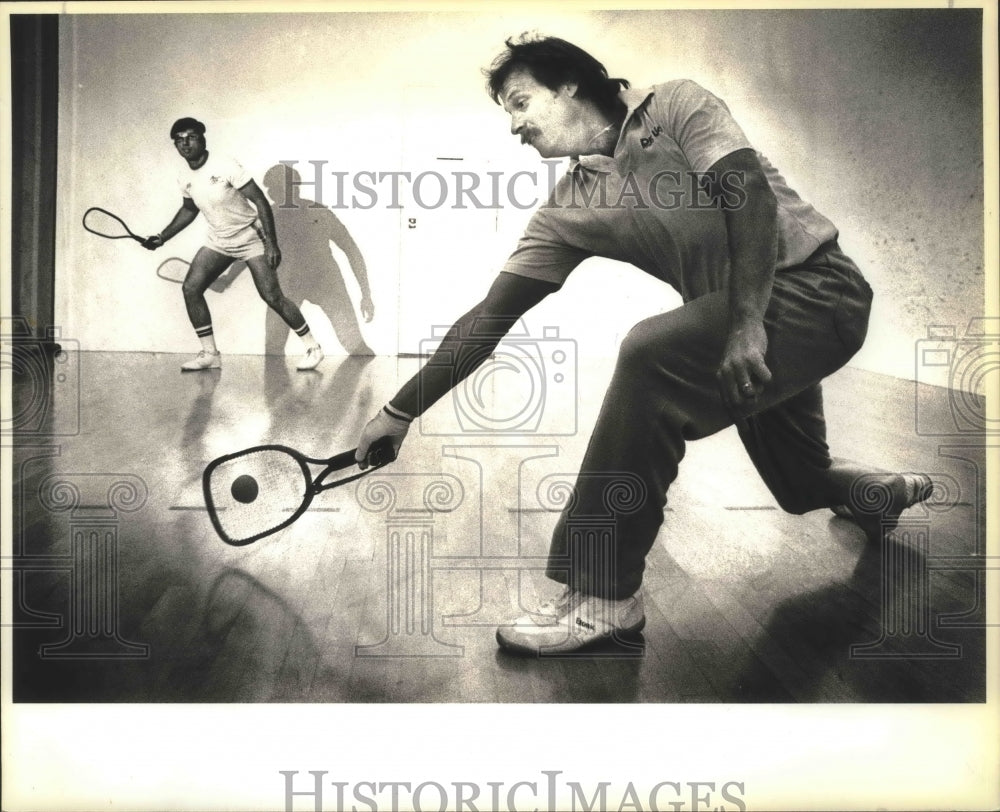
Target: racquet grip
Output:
[(381, 452)]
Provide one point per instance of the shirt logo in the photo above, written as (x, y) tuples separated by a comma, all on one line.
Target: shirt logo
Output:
[(647, 141)]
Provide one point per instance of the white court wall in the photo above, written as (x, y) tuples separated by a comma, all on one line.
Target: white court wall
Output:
[(873, 116)]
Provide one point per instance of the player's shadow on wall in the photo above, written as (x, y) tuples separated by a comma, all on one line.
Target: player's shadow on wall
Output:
[(309, 271)]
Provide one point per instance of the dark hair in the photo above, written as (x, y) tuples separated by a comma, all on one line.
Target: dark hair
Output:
[(186, 123), (554, 62)]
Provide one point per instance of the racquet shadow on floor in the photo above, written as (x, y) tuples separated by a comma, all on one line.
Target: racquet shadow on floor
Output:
[(252, 646)]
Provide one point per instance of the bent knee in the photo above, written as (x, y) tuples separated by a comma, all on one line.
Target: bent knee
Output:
[(273, 297), (193, 290), (642, 345), (651, 343)]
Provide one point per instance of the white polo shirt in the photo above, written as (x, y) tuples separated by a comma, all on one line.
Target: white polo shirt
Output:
[(214, 187), (645, 206)]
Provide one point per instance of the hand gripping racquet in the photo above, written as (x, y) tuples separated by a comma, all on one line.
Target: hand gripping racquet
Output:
[(253, 493), (110, 226)]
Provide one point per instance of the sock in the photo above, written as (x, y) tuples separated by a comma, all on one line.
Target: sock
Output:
[(306, 336), (207, 338)]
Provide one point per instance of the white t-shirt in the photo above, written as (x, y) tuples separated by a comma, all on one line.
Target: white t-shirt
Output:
[(214, 187)]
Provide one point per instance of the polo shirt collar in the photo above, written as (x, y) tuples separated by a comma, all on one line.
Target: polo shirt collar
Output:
[(634, 98)]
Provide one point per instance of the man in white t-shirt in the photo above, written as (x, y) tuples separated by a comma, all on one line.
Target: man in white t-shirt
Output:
[(665, 179), (240, 227)]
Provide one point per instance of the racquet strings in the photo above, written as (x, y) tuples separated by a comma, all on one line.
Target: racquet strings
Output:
[(282, 486), (105, 224)]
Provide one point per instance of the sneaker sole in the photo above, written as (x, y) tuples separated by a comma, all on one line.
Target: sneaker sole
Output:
[(617, 634)]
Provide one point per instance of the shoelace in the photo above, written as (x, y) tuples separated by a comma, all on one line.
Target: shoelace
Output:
[(560, 604)]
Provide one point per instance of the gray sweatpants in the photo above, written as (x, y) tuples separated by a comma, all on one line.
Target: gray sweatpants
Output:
[(664, 393)]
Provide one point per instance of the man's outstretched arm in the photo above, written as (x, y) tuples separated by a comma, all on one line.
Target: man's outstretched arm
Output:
[(469, 342)]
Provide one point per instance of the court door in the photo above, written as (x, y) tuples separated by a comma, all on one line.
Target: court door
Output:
[(449, 250)]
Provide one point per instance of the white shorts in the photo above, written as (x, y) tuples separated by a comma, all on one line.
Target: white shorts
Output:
[(246, 243)]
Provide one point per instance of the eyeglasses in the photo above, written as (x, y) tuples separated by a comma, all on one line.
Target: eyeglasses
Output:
[(180, 138)]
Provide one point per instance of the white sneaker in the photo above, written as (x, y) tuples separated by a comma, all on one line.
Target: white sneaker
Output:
[(887, 504), (572, 622), (203, 360), (549, 612), (311, 359)]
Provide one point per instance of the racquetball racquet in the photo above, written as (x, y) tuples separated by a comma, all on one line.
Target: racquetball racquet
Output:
[(176, 269), (256, 492), (173, 269), (110, 226)]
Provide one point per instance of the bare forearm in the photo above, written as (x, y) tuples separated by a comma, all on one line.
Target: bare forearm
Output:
[(469, 342), (182, 220), (266, 220), (752, 253), (751, 225), (252, 192)]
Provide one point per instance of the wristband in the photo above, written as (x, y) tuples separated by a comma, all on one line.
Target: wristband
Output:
[(393, 412)]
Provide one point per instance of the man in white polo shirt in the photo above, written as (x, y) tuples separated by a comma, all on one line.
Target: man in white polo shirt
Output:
[(240, 227), (665, 179)]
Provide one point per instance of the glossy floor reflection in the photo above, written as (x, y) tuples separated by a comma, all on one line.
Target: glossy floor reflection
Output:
[(389, 590)]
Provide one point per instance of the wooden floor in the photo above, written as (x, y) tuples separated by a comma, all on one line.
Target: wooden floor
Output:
[(390, 592)]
